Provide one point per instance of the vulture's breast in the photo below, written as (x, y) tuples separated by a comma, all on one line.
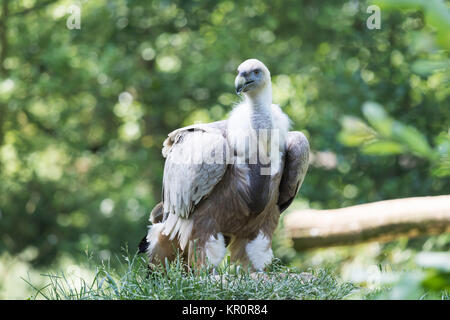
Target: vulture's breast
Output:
[(255, 189), (259, 187)]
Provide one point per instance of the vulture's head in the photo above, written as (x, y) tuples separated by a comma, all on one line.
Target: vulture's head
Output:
[(253, 76)]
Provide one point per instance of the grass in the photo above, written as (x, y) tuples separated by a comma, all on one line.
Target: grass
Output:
[(173, 282), (132, 281)]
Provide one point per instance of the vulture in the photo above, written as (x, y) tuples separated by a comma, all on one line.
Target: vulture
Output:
[(225, 183)]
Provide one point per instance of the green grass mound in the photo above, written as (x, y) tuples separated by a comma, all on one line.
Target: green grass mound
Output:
[(174, 282)]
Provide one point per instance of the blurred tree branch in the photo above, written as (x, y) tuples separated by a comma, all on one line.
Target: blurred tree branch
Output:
[(382, 221)]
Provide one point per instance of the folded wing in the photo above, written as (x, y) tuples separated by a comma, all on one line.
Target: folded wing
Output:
[(196, 160), (295, 167)]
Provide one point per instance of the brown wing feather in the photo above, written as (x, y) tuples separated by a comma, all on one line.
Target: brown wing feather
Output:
[(187, 177), (295, 167)]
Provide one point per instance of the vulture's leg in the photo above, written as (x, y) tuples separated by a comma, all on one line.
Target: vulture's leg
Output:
[(207, 250), (256, 252), (259, 251), (238, 254)]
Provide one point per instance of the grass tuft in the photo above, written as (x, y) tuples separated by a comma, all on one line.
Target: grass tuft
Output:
[(174, 282)]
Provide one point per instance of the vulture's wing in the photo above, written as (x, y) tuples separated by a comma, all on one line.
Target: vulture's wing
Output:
[(295, 167), (195, 162)]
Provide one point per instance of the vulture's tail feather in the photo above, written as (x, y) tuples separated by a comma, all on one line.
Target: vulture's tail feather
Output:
[(156, 216), (157, 245), (143, 245), (166, 236)]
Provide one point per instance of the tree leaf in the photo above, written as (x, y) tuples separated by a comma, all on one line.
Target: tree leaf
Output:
[(383, 148), (378, 118), (412, 139)]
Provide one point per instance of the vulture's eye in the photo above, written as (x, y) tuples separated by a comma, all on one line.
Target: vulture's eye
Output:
[(256, 72)]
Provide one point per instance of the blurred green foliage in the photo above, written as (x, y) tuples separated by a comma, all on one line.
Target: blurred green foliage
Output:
[(431, 283), (388, 136), (83, 113)]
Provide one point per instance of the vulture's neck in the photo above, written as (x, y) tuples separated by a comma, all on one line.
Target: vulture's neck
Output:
[(260, 104), (253, 113)]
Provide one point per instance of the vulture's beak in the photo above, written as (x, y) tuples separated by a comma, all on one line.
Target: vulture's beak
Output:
[(241, 84)]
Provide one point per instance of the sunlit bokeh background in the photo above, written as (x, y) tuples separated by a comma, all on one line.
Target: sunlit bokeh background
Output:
[(83, 114)]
